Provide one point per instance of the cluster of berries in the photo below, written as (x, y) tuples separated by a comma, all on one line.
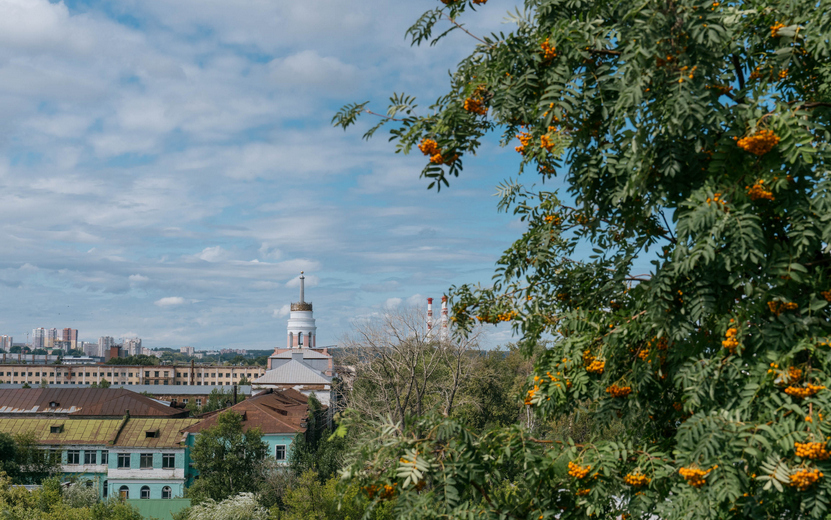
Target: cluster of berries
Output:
[(805, 478), (636, 479), (619, 391), (555, 220), (778, 308), (384, 492), (812, 450), (530, 395), (716, 198), (476, 106), (759, 143), (662, 343), (583, 492), (578, 471), (758, 191), (525, 140), (596, 367), (548, 51), (722, 89), (695, 476), (794, 375), (730, 341), (803, 392), (826, 295), (643, 354), (774, 29)]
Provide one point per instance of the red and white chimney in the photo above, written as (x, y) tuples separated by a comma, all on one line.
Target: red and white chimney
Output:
[(444, 318), (429, 318)]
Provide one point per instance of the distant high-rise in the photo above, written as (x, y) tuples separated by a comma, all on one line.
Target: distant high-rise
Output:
[(38, 337), (133, 346), (70, 335), (104, 344), (188, 351), (6, 342), (50, 338)]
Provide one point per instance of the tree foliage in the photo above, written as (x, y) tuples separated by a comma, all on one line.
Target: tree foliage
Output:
[(691, 135), (226, 457)]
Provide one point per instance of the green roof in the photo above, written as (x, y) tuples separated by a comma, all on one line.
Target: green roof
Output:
[(167, 432), (159, 508), (74, 431)]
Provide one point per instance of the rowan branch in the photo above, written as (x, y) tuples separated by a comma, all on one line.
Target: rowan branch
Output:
[(454, 22)]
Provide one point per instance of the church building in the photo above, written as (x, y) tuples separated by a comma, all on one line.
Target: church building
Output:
[(301, 365)]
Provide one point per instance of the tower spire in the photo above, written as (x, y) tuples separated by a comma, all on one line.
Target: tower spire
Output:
[(302, 288)]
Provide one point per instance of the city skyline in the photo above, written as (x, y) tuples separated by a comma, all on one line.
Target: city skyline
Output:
[(175, 169)]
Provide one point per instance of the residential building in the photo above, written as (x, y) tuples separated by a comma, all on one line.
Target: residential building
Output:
[(188, 351), (38, 338), (6, 342), (71, 336), (51, 337), (105, 343), (280, 416), (133, 346)]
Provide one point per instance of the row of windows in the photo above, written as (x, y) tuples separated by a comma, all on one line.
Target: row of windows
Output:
[(73, 457), (123, 374), (124, 492)]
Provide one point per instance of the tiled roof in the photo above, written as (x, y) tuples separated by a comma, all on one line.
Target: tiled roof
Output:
[(75, 431), (293, 373), (166, 433), (87, 402), (154, 389), (272, 412)]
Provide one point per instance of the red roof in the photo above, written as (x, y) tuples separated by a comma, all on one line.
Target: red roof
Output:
[(272, 412), (85, 402)]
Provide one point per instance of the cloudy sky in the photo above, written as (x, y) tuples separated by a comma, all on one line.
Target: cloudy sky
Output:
[(168, 168)]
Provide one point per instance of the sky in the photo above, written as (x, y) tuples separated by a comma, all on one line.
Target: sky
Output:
[(167, 169)]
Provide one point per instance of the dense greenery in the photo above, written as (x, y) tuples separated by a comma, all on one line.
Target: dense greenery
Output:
[(54, 502), (226, 458), (23, 460), (138, 359), (693, 137)]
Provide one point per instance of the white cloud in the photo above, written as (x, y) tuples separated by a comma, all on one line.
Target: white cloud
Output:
[(137, 278), (392, 303), (282, 311), (170, 301)]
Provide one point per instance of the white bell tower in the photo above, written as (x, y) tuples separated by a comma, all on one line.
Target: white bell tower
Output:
[(302, 332)]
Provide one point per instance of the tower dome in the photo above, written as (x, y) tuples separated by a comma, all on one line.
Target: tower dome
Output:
[(302, 332)]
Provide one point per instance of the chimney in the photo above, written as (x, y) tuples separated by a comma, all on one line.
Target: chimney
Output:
[(429, 317), (235, 394), (444, 318), (302, 278)]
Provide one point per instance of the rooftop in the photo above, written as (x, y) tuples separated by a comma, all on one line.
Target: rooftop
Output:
[(86, 402), (293, 373), (272, 412)]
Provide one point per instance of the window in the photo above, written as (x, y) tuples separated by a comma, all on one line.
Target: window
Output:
[(280, 452), (145, 492), (169, 460), (124, 492), (106, 488), (199, 402), (109, 374), (73, 457), (165, 373), (146, 461), (166, 492), (157, 373), (151, 434), (184, 401), (89, 457), (156, 382), (37, 373), (130, 374), (105, 457), (123, 461), (56, 429), (147, 374)]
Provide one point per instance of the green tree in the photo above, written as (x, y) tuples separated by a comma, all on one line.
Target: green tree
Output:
[(138, 359), (692, 137), (226, 458), (34, 462), (102, 384), (313, 499)]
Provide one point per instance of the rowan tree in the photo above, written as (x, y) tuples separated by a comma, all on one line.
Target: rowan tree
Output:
[(692, 134)]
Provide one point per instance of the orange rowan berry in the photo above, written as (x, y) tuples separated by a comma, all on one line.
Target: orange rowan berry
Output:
[(759, 143), (805, 478)]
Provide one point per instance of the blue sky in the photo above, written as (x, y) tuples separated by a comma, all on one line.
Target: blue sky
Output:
[(168, 168)]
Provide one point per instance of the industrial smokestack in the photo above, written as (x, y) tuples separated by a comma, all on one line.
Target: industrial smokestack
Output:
[(302, 278), (429, 318), (444, 318)]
